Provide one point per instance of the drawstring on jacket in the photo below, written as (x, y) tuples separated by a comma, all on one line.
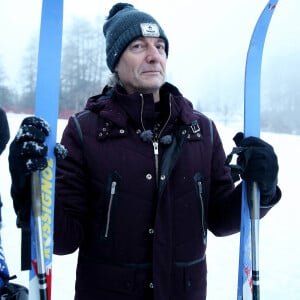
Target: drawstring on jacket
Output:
[(148, 135)]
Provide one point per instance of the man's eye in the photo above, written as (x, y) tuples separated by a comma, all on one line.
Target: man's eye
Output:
[(160, 47), (137, 46)]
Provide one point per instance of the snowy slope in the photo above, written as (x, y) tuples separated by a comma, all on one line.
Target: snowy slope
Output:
[(279, 236)]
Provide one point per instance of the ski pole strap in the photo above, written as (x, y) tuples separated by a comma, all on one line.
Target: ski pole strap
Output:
[(236, 169), (26, 248)]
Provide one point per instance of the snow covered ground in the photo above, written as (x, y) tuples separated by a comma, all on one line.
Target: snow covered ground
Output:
[(279, 233)]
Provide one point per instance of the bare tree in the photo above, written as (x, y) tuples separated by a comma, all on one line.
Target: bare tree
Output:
[(83, 64), (28, 74), (7, 95)]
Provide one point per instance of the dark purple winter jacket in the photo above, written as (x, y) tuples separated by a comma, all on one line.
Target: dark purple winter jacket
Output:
[(140, 219)]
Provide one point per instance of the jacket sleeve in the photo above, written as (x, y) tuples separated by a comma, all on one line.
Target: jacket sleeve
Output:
[(224, 208), (4, 130), (71, 207)]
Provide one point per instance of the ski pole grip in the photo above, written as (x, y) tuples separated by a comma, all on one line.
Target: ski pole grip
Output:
[(36, 201)]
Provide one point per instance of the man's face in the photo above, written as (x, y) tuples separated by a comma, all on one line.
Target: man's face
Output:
[(142, 66)]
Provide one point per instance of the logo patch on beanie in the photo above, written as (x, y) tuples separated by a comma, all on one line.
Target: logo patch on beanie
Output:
[(150, 29)]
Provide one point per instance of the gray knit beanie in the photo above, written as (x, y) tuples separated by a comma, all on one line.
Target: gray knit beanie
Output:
[(123, 25)]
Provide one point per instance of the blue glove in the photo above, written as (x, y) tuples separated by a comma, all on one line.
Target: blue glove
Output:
[(4, 273)]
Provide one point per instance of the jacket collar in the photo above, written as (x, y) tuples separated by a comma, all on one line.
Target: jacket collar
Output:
[(115, 105)]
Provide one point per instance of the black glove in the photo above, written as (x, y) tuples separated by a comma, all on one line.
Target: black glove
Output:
[(27, 153), (258, 162)]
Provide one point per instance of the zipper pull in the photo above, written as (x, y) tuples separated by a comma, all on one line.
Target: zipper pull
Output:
[(155, 148), (200, 188), (113, 188), (112, 193)]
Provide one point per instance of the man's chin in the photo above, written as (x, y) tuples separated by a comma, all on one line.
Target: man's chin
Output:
[(152, 84)]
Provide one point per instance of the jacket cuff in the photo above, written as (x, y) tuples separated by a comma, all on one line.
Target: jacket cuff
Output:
[(274, 200)]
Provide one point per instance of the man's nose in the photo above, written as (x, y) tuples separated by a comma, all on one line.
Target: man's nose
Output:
[(153, 53)]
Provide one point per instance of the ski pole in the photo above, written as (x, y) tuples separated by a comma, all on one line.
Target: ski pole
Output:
[(254, 204), (37, 216)]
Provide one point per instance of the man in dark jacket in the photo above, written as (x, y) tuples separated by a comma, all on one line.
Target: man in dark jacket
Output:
[(144, 178)]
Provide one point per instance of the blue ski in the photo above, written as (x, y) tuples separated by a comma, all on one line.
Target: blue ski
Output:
[(248, 278), (43, 183)]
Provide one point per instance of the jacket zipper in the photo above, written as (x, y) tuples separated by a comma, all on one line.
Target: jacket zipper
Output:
[(111, 198), (200, 187), (157, 137), (155, 149)]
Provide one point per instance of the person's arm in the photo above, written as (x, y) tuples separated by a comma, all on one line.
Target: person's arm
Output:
[(4, 130), (71, 207)]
